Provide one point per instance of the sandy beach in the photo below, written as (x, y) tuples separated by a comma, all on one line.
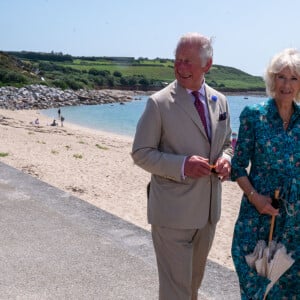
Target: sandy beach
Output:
[(97, 167)]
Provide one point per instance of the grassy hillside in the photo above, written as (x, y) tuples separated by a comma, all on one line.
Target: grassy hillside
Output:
[(65, 71), (15, 72), (231, 78)]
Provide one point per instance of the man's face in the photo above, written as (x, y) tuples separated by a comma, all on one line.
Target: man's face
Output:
[(189, 71)]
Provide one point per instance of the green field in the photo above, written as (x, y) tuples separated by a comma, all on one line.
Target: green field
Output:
[(155, 72)]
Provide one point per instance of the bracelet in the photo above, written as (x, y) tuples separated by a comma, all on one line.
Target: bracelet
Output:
[(251, 194)]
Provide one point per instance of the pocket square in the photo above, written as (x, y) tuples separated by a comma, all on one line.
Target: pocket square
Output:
[(223, 116)]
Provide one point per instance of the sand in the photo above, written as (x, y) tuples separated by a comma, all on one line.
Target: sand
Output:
[(97, 167)]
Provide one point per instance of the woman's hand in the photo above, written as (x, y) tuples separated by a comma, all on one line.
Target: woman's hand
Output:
[(263, 204)]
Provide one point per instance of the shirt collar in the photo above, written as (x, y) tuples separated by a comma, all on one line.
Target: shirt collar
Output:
[(201, 90)]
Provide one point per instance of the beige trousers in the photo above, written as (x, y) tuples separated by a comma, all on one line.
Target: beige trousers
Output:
[(181, 256)]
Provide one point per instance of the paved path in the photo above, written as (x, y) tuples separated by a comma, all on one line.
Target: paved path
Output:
[(56, 246)]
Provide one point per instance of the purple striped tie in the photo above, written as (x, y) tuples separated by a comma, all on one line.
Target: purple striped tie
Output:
[(200, 108)]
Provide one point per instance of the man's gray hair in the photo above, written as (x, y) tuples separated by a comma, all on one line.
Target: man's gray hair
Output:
[(197, 40)]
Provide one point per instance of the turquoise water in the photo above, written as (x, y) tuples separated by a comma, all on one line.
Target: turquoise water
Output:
[(122, 119)]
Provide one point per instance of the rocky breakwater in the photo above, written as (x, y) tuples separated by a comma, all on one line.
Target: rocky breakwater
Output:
[(43, 97)]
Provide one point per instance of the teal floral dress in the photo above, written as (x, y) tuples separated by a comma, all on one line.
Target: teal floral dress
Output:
[(274, 156)]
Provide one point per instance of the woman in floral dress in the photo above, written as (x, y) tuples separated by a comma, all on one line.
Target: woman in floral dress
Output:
[(269, 140)]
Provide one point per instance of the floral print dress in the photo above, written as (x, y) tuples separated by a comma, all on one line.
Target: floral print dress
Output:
[(274, 156)]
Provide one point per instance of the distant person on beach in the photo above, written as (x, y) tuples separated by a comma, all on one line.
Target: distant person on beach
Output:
[(188, 153), (53, 123), (62, 121), (269, 141), (59, 112), (35, 122)]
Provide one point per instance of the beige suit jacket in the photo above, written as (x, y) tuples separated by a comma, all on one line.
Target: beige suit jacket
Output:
[(169, 130)]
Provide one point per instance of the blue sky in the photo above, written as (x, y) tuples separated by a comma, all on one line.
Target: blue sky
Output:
[(247, 33)]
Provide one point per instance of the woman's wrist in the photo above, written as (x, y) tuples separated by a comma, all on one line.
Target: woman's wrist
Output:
[(251, 195)]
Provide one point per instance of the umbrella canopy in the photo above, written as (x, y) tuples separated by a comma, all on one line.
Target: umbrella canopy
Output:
[(270, 261), (280, 263)]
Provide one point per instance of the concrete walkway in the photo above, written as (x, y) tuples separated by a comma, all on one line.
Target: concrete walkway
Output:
[(56, 246)]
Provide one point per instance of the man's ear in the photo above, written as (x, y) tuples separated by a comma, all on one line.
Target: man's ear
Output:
[(208, 65)]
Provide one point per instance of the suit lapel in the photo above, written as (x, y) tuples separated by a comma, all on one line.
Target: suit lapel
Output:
[(183, 99)]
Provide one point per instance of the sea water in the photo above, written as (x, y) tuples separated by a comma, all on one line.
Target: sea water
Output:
[(122, 118)]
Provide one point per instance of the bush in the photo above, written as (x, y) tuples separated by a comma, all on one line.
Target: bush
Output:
[(103, 73), (99, 81), (111, 81), (117, 74), (93, 71), (46, 66), (132, 81), (74, 85), (123, 81), (144, 81), (60, 84), (13, 77)]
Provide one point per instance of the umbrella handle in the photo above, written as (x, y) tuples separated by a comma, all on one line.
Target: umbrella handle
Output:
[(271, 230), (276, 197)]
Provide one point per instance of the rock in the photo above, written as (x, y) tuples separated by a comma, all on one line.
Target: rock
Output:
[(43, 97)]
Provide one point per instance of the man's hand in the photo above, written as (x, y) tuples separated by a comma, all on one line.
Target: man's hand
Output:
[(196, 166), (223, 168)]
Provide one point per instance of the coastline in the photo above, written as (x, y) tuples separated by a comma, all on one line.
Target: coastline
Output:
[(96, 166), (43, 97)]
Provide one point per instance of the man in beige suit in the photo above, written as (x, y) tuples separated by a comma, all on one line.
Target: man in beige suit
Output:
[(188, 158)]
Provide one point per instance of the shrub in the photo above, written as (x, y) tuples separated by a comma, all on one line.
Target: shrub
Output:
[(117, 74), (104, 73), (73, 84), (123, 81), (144, 81), (60, 84), (14, 77), (93, 71), (132, 81), (111, 81)]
